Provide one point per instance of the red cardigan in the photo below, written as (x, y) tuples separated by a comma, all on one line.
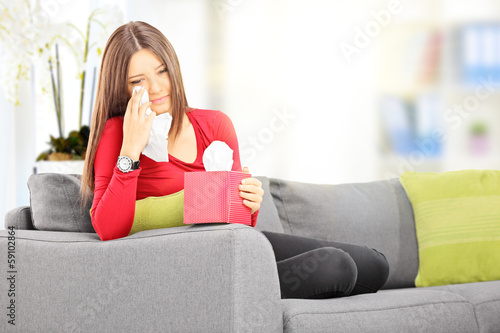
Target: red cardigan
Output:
[(115, 192)]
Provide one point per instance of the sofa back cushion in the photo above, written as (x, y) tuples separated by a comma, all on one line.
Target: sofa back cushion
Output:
[(376, 214), (268, 218), (56, 205)]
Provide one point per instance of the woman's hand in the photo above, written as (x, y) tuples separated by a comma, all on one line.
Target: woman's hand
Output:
[(251, 191), (136, 126)]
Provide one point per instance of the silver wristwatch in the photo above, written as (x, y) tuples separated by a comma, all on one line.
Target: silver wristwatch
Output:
[(126, 164)]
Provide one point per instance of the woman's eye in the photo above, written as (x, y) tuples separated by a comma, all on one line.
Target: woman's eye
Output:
[(136, 82), (164, 70)]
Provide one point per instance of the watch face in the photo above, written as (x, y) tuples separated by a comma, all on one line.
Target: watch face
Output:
[(124, 164)]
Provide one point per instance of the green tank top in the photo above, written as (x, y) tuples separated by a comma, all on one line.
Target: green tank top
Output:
[(159, 212)]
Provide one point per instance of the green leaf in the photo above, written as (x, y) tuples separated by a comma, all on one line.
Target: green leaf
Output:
[(43, 155)]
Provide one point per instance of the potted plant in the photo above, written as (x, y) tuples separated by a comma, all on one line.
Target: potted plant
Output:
[(28, 43), (66, 154), (71, 148)]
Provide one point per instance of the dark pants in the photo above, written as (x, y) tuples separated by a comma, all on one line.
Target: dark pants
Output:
[(314, 268)]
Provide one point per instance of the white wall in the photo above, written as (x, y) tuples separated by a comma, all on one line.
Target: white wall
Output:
[(284, 55)]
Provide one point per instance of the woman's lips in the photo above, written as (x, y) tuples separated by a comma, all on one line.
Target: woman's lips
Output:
[(159, 100)]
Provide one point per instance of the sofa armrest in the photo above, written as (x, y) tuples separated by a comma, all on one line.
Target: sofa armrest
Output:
[(199, 278), (19, 218)]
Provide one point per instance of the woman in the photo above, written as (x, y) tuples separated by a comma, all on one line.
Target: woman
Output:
[(138, 54)]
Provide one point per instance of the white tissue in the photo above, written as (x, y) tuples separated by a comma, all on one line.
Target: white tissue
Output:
[(156, 148), (218, 157)]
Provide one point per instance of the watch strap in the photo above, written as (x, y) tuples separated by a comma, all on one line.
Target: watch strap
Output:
[(135, 165)]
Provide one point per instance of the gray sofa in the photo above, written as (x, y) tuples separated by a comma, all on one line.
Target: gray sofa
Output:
[(223, 277)]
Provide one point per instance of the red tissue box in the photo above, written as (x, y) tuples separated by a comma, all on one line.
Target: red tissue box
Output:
[(213, 196)]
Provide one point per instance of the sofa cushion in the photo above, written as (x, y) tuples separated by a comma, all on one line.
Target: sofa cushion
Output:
[(485, 297), (268, 218), (375, 214), (457, 219), (56, 204), (398, 310)]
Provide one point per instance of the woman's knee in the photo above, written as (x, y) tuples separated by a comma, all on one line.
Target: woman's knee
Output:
[(319, 273), (373, 272), (380, 267), (340, 273)]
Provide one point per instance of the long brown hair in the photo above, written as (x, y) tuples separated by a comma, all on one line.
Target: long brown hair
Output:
[(112, 96)]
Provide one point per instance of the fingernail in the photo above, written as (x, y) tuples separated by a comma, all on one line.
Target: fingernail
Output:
[(243, 181)]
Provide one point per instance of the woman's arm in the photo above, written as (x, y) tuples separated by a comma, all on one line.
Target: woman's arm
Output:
[(113, 207), (224, 131), (115, 192)]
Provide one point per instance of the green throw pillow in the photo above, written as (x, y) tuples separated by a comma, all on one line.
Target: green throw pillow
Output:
[(159, 212), (457, 220)]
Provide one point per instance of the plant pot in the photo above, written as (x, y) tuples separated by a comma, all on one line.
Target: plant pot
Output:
[(59, 157), (479, 145)]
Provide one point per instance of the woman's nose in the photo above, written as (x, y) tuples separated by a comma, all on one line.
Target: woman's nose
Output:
[(154, 86)]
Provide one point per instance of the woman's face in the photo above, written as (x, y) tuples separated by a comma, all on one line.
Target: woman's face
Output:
[(147, 70)]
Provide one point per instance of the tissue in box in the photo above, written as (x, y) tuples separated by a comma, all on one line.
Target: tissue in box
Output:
[(213, 196)]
